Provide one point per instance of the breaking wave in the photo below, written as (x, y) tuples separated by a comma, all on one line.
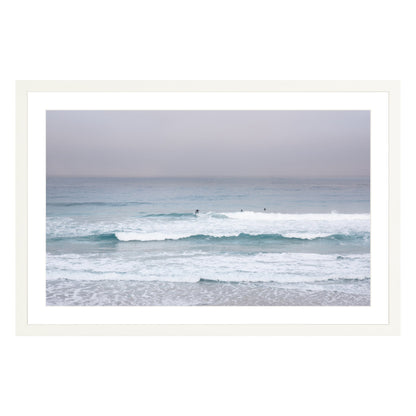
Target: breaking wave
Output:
[(131, 236)]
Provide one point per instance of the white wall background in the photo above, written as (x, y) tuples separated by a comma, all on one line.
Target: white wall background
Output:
[(207, 40)]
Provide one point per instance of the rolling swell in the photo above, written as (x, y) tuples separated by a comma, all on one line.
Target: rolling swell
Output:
[(126, 237), (93, 237), (95, 204), (172, 215)]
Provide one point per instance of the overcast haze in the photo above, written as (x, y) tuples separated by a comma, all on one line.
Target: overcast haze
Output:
[(208, 143)]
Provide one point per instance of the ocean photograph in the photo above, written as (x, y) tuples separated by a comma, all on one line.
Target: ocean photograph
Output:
[(208, 208)]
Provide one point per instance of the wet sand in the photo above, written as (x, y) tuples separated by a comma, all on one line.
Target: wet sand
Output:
[(65, 292)]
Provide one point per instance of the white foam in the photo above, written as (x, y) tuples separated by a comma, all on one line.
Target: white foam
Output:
[(191, 267), (272, 216), (306, 226), (133, 236), (306, 235)]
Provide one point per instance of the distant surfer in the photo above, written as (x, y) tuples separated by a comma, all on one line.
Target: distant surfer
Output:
[(241, 210), (196, 211), (264, 209)]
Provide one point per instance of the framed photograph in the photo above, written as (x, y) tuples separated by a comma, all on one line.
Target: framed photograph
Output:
[(207, 208)]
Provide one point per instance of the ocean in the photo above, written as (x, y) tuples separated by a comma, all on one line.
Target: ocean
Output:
[(254, 241)]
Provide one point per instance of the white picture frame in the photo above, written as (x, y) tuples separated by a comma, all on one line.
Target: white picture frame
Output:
[(34, 97)]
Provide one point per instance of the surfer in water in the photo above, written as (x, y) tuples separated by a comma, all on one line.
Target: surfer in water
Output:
[(264, 209), (196, 211)]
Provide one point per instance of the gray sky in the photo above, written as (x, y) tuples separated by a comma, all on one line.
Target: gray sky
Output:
[(208, 143)]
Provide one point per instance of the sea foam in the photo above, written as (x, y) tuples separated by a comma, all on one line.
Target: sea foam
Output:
[(176, 226), (194, 266)]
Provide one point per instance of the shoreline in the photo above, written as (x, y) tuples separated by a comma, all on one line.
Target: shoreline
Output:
[(155, 293)]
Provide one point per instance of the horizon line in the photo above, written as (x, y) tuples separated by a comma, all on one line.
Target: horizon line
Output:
[(210, 176)]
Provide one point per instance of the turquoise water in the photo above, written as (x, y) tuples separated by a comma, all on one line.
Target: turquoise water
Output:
[(118, 241)]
